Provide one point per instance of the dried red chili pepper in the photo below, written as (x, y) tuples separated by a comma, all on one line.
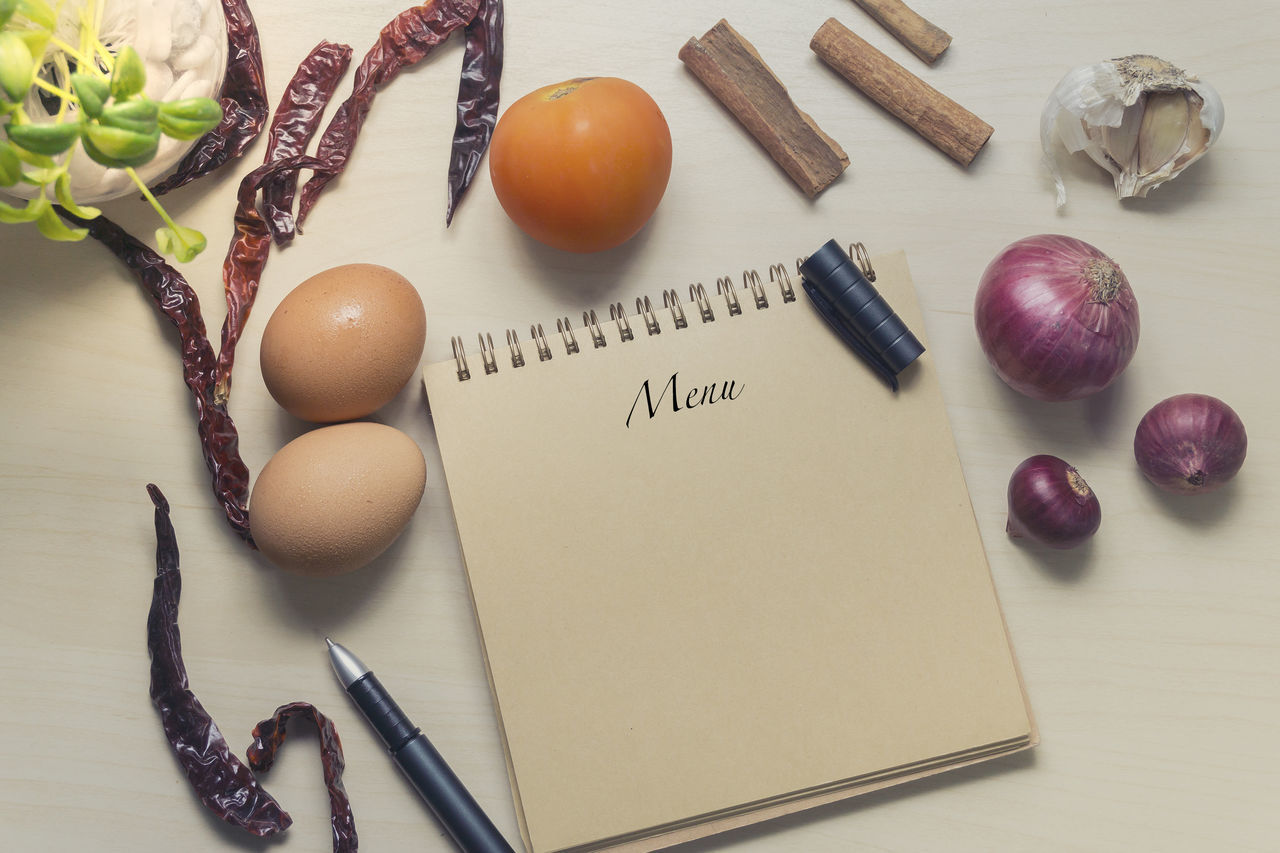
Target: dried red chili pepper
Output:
[(405, 41), (477, 99), (243, 98), (247, 255), (296, 120), (221, 780), (179, 303), (269, 734)]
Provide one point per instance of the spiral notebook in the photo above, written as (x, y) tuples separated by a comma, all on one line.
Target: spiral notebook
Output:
[(720, 571)]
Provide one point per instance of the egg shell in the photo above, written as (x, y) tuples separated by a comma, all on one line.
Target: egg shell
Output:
[(343, 343), (333, 499)]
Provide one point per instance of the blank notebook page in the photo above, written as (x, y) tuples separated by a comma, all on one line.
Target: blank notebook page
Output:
[(760, 579)]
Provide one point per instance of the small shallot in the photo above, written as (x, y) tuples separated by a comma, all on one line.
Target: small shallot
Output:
[(1050, 503), (1190, 444)]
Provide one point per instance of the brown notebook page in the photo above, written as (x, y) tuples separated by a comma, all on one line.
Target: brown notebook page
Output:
[(729, 607)]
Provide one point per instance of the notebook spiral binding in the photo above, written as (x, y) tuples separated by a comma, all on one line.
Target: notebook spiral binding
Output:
[(751, 282)]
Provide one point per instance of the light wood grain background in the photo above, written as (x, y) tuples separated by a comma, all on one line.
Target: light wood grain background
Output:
[(1152, 655)]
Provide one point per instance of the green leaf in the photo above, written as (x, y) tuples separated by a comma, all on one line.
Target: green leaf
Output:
[(36, 41), (38, 12), (129, 75), (17, 66), (92, 92), (10, 165), (7, 8), (62, 189), (52, 226), (139, 116), (44, 175), (179, 128), (193, 109), (182, 243), (32, 211), (116, 148), (190, 118), (47, 139), (40, 161)]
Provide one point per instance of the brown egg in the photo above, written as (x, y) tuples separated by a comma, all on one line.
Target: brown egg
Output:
[(333, 499), (343, 343)]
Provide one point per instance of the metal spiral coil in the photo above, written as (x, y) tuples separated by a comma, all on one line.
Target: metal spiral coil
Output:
[(487, 356), (698, 294), (566, 333), (517, 355), (751, 281), (593, 327), (645, 309), (540, 340), (619, 315), (724, 285), (672, 301)]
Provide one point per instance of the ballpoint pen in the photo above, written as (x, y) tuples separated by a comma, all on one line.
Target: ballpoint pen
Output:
[(461, 816), (850, 304)]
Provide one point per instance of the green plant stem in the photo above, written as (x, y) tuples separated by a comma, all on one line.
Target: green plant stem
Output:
[(61, 61), (155, 204), (49, 87), (84, 61), (107, 58)]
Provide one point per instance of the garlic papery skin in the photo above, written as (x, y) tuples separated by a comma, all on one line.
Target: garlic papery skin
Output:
[(1139, 117)]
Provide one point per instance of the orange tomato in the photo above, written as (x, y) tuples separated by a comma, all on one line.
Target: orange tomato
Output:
[(581, 165)]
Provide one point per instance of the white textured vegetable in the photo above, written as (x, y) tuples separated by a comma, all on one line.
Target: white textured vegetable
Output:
[(1139, 117)]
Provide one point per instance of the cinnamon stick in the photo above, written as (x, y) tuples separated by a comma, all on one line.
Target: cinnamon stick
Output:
[(729, 66), (957, 132), (926, 40)]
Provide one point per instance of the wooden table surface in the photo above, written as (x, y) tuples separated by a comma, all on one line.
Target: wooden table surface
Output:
[(1152, 655)]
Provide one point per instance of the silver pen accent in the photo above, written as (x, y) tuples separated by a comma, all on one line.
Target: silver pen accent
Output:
[(443, 792), (347, 666)]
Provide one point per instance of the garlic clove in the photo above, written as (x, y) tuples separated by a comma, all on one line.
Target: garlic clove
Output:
[(1119, 144), (1197, 141), (1139, 117), (1163, 131)]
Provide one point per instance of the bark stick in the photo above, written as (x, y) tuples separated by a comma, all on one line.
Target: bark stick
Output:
[(729, 66), (957, 132), (926, 40)]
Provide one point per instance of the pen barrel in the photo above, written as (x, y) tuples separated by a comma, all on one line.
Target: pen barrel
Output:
[(864, 310), (465, 821), (382, 712)]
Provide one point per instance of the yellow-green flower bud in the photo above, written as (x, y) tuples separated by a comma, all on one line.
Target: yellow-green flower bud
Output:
[(116, 147), (129, 75), (17, 66), (92, 92), (47, 139)]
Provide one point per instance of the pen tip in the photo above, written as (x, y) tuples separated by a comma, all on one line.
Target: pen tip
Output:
[(328, 642)]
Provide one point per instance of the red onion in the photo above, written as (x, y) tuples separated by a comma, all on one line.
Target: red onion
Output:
[(1051, 503), (1190, 444), (1056, 317)]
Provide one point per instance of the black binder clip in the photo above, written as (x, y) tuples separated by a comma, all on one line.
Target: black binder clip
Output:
[(858, 313)]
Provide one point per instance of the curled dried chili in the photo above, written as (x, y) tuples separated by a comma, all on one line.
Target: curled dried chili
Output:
[(477, 99), (405, 41), (243, 98), (296, 120), (221, 780), (246, 257), (269, 734), (175, 298)]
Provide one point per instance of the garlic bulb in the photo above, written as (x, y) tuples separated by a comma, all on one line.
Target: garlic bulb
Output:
[(1139, 117)]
